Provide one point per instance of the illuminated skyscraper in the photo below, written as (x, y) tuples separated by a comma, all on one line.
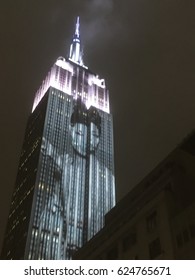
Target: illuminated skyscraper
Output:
[(65, 183)]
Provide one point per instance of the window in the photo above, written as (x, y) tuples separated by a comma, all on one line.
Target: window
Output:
[(155, 248), (185, 235), (129, 240), (151, 222), (112, 253)]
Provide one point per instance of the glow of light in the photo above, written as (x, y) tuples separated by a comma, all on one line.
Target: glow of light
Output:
[(77, 53), (81, 63), (96, 81), (77, 27), (52, 79), (61, 62)]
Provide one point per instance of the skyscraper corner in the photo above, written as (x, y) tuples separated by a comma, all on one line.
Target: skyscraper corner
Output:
[(65, 182)]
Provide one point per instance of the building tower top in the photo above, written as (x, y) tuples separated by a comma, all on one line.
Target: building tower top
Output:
[(76, 54)]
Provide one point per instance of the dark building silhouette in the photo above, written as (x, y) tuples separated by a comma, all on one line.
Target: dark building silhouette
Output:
[(65, 183), (156, 219)]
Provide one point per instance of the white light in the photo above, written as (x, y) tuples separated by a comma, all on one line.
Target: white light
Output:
[(52, 79), (96, 81), (64, 64)]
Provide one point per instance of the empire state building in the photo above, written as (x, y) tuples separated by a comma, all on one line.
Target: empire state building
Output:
[(65, 182)]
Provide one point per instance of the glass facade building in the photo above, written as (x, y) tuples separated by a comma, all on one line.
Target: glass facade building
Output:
[(65, 183)]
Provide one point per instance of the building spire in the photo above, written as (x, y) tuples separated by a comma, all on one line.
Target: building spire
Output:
[(77, 27), (75, 53)]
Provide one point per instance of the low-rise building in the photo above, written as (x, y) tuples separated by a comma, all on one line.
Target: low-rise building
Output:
[(156, 219)]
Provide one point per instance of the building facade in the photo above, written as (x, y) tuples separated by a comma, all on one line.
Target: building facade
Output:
[(156, 219), (65, 183)]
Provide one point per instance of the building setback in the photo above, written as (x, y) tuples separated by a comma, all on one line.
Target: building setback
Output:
[(156, 219), (65, 183)]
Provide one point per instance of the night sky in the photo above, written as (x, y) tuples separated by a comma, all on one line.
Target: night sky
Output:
[(145, 50)]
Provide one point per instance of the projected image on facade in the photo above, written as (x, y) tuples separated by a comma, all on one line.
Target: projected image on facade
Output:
[(76, 191)]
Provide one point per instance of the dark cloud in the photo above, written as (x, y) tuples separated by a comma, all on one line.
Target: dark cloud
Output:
[(98, 15)]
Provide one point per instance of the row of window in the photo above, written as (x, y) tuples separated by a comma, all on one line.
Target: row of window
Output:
[(130, 239), (154, 247), (185, 235)]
